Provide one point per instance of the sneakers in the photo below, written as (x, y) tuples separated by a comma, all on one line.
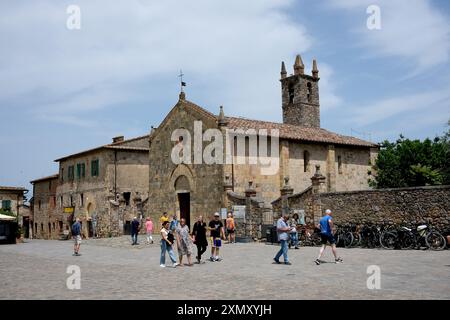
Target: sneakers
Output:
[(212, 259), (317, 262), (162, 265), (339, 260), (175, 265), (288, 263), (276, 261), (218, 259)]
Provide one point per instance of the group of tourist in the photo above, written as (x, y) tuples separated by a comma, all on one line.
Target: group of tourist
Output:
[(177, 233)]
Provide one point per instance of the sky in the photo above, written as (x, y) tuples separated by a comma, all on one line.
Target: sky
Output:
[(66, 90)]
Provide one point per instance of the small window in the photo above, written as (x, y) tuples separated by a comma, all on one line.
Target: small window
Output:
[(71, 173), (62, 174), (83, 170), (339, 164), (71, 201), (309, 94), (291, 93), (39, 204), (305, 161), (61, 201), (49, 186), (81, 200), (95, 168), (127, 197), (6, 204)]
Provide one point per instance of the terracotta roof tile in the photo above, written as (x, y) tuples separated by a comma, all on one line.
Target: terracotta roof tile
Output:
[(4, 188), (288, 131)]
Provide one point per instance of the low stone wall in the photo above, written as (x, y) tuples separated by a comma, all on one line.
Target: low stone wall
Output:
[(403, 206), (391, 206)]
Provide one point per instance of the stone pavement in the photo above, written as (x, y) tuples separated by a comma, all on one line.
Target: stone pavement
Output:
[(112, 269)]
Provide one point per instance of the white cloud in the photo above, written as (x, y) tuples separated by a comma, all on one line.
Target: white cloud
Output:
[(233, 48), (412, 30), (429, 102)]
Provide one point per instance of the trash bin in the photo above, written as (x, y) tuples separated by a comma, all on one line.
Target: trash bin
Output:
[(274, 235)]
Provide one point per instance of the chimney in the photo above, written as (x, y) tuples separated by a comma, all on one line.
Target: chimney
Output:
[(118, 139)]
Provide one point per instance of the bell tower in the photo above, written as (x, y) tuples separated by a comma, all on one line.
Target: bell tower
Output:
[(300, 95)]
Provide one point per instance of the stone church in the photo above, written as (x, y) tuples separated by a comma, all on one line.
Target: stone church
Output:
[(194, 188)]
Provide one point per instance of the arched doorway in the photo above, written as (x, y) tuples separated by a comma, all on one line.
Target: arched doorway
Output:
[(183, 190)]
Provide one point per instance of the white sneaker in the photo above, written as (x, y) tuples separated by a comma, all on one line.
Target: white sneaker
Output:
[(162, 265), (175, 265)]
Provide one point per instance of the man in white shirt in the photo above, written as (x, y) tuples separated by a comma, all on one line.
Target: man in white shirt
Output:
[(283, 231)]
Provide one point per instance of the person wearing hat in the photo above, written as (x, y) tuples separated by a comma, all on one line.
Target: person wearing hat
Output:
[(326, 227), (217, 234)]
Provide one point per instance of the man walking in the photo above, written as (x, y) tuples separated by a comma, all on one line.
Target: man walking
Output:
[(217, 234), (134, 231), (149, 230), (76, 235), (326, 227), (283, 231), (199, 235), (231, 228)]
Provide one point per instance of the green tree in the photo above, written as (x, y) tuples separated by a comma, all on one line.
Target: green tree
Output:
[(409, 163)]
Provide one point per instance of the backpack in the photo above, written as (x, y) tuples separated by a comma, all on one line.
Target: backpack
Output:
[(170, 237), (75, 229)]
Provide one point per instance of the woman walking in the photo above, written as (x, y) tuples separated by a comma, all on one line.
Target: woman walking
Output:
[(199, 236), (185, 243), (166, 245)]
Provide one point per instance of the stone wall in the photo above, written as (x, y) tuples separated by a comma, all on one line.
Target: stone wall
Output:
[(403, 206), (391, 206)]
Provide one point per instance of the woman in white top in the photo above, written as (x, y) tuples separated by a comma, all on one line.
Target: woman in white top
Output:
[(166, 245)]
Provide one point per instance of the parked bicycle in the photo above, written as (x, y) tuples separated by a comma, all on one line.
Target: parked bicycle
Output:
[(413, 238)]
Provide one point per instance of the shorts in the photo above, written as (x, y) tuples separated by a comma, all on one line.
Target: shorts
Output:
[(230, 231), (216, 242), (77, 240), (327, 238)]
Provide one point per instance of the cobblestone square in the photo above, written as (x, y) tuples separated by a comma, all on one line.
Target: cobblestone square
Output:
[(113, 269)]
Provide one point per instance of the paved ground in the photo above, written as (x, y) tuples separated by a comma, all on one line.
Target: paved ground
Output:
[(112, 269)]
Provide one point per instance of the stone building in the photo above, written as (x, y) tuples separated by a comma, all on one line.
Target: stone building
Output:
[(12, 199), (46, 221), (193, 187), (105, 187)]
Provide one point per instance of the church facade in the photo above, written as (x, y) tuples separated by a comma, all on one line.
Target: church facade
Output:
[(194, 187)]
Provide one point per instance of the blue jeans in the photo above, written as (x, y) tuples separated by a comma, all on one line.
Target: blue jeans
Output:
[(165, 247), (134, 238), (283, 251), (294, 239)]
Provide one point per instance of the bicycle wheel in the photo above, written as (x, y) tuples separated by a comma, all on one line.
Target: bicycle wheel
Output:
[(408, 241), (435, 241), (388, 240), (356, 239), (348, 239)]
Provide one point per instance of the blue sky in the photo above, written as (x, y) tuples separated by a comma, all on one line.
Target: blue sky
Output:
[(62, 91)]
